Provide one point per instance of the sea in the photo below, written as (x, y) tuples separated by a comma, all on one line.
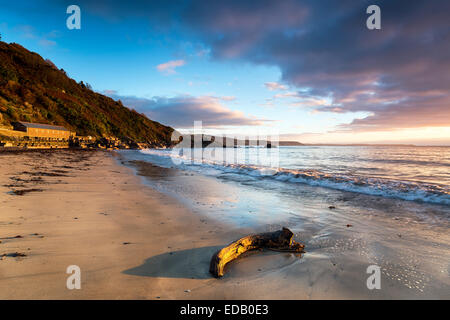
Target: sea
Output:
[(410, 173), (387, 205)]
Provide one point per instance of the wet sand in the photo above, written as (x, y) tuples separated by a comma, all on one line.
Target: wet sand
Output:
[(61, 208)]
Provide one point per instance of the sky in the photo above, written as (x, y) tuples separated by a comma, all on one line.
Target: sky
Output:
[(309, 71)]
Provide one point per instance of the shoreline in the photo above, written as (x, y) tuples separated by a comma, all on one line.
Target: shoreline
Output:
[(134, 242)]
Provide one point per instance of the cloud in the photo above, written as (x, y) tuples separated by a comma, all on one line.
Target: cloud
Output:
[(289, 94), (302, 99), (181, 111), (110, 93), (29, 32), (228, 98), (408, 113), (47, 43), (272, 86), (169, 67), (399, 75)]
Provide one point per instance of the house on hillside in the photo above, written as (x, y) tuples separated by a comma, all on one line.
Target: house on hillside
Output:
[(38, 130)]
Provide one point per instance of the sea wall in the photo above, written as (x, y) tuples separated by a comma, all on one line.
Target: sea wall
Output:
[(25, 142)]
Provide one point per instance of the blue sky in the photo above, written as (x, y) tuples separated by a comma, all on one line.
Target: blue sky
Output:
[(247, 68)]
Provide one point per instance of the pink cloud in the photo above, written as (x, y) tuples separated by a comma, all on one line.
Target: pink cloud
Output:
[(181, 111), (169, 67), (272, 86)]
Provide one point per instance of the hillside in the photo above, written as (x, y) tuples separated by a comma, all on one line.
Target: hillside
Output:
[(35, 90)]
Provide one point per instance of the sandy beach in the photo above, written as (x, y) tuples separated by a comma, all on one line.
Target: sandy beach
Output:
[(89, 211), (84, 208)]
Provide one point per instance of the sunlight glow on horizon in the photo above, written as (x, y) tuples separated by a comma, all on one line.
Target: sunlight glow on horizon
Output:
[(419, 136)]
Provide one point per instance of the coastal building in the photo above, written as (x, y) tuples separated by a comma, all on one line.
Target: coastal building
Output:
[(39, 130)]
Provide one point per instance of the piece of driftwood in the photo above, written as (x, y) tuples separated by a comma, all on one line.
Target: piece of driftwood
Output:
[(280, 240)]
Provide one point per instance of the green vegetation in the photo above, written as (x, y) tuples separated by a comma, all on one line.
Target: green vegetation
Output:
[(35, 90)]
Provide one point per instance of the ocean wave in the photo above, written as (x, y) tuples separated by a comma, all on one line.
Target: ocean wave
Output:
[(405, 190)]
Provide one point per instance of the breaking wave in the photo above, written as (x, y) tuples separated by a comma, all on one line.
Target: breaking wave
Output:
[(391, 188)]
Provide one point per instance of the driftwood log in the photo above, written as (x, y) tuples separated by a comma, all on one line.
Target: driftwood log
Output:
[(280, 240)]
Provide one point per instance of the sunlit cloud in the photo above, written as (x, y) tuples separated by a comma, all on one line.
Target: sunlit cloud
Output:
[(228, 98), (272, 86), (169, 67), (181, 111)]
